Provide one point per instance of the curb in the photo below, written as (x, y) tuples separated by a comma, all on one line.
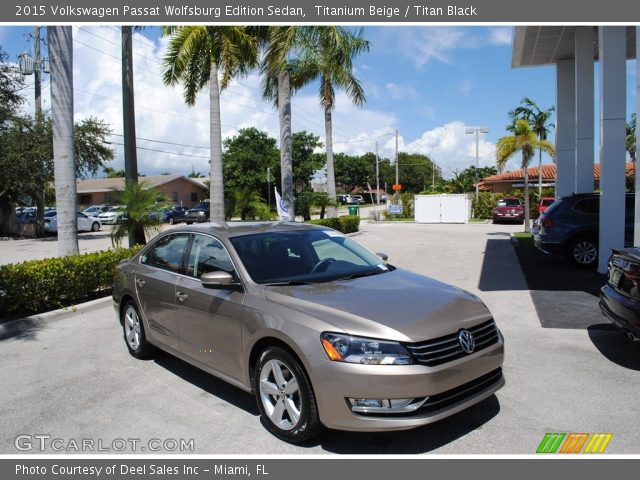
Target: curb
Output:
[(7, 328)]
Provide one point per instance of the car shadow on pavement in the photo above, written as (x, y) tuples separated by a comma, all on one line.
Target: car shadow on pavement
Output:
[(565, 295), (612, 343), (207, 382), (498, 272), (419, 440)]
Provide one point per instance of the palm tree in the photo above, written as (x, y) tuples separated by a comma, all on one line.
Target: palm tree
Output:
[(196, 55), (328, 54), (631, 137), (141, 209), (61, 57), (540, 121), (525, 141), (282, 43)]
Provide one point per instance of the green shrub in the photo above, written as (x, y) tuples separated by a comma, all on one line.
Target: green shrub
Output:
[(41, 285), (344, 224)]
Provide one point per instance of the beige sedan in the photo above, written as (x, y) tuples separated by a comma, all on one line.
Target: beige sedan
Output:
[(322, 331)]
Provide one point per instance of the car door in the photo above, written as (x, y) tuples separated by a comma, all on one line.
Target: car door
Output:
[(209, 319), (155, 284), (84, 222)]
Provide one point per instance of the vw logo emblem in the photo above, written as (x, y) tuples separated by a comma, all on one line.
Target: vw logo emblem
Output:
[(466, 340)]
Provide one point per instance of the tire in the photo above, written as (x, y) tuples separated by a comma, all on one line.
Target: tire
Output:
[(280, 407), (583, 251), (133, 330), (171, 221), (95, 226), (189, 223)]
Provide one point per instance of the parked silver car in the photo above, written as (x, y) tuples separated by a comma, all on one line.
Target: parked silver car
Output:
[(321, 330)]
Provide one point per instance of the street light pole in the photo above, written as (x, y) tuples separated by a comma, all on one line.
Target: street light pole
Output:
[(377, 176), (477, 131)]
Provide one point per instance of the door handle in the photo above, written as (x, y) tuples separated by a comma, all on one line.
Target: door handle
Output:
[(181, 296), (140, 282)]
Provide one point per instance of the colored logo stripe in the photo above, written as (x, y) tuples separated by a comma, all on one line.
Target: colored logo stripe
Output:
[(550, 442), (573, 442), (598, 443)]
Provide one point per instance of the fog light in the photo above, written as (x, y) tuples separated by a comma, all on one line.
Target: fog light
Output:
[(368, 403), (384, 405)]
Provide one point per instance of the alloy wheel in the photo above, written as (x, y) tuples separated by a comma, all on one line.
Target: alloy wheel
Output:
[(280, 394), (132, 327)]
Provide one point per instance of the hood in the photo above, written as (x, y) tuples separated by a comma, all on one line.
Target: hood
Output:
[(398, 305)]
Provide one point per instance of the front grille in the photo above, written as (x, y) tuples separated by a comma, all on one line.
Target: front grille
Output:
[(445, 349), (442, 401)]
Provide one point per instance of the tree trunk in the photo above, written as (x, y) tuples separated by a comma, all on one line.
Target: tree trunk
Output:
[(61, 55), (527, 223), (539, 175), (216, 189), (286, 161), (331, 175), (129, 124)]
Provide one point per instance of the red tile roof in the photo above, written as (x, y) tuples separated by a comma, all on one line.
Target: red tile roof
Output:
[(548, 173)]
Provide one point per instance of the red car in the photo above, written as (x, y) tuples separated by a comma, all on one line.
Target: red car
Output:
[(508, 209), (545, 202)]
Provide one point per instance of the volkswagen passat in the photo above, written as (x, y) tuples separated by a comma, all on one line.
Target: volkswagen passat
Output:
[(322, 331)]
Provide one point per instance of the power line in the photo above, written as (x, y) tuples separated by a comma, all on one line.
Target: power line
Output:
[(167, 143), (163, 151)]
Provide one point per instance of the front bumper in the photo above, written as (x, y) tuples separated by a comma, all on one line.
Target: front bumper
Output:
[(196, 218), (453, 386)]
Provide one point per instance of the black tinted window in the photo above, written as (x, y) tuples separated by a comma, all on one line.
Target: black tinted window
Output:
[(207, 255), (588, 205), (167, 252)]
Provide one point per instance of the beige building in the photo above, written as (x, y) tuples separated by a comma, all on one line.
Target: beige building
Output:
[(180, 190)]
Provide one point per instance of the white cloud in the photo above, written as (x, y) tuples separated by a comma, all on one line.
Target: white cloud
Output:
[(401, 92), (451, 148), (425, 44), (500, 35)]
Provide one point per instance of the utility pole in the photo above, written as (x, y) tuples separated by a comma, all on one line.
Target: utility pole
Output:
[(397, 182), (37, 86), (377, 177), (477, 131), (269, 186)]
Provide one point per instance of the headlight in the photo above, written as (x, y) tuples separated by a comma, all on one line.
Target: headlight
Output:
[(365, 351)]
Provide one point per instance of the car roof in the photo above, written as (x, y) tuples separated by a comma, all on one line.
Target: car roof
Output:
[(234, 229)]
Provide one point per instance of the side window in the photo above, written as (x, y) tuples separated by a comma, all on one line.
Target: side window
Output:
[(588, 205), (167, 252), (207, 255)]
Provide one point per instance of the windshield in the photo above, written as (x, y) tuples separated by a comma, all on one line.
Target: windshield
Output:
[(509, 202), (305, 256)]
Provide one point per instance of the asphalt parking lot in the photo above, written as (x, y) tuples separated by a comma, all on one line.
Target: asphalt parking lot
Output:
[(73, 378)]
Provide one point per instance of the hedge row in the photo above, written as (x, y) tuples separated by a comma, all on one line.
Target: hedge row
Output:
[(42, 285), (344, 224)]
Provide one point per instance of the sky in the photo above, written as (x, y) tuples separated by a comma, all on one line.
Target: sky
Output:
[(428, 83)]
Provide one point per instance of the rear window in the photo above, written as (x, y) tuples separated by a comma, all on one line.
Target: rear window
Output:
[(589, 205), (508, 202)]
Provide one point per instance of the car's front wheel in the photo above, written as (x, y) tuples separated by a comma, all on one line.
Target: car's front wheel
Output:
[(171, 221), (583, 251), (285, 397), (134, 334)]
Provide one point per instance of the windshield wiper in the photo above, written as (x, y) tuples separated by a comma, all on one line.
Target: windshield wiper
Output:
[(287, 283), (366, 273)]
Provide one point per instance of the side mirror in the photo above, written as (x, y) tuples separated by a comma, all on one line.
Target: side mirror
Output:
[(383, 256), (219, 280)]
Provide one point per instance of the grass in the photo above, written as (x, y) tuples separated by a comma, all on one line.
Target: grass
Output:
[(525, 239)]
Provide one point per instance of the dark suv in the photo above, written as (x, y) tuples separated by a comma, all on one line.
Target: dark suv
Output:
[(570, 226), (198, 214)]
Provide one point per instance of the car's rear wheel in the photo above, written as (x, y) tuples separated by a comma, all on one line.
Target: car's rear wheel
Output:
[(583, 251), (189, 223), (134, 334), (95, 226), (285, 397), (171, 221)]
